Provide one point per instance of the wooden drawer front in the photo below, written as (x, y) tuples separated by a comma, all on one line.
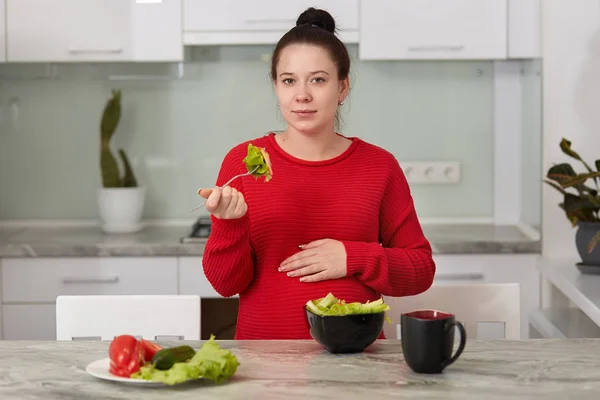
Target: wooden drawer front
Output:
[(43, 279)]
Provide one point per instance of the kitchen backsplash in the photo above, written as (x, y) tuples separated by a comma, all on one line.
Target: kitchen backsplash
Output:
[(177, 131)]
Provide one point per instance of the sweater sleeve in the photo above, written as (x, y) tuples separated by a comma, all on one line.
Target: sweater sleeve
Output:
[(402, 265), (228, 259)]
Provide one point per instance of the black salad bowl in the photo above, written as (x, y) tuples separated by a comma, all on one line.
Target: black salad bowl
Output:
[(345, 333)]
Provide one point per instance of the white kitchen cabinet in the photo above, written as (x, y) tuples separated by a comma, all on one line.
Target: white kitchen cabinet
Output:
[(29, 322), (192, 279), (494, 268), (524, 29), (433, 29), (93, 30), (30, 286), (43, 279), (2, 31), (259, 21)]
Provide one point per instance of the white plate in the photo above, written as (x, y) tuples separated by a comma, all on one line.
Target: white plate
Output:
[(100, 369)]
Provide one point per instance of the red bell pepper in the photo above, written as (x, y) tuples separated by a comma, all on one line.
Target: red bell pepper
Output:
[(150, 349), (126, 355)]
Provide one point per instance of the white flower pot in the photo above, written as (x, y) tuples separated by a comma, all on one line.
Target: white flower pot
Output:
[(121, 209)]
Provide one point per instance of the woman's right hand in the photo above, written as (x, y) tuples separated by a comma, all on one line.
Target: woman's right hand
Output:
[(224, 203)]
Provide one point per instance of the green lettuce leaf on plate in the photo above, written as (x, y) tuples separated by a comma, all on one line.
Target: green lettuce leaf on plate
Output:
[(258, 157), (210, 362)]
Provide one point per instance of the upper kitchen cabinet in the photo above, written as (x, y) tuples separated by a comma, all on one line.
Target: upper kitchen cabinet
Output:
[(524, 29), (94, 30), (433, 29), (259, 21), (2, 31)]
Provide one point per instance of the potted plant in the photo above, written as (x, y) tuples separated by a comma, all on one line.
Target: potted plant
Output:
[(581, 202), (120, 199)]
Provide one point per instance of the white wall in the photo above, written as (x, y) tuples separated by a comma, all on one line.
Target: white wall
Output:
[(571, 104)]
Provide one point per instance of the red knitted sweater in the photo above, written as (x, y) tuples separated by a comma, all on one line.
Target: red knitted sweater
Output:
[(360, 198)]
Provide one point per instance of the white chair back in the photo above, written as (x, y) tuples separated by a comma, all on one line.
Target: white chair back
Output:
[(143, 316), (471, 303)]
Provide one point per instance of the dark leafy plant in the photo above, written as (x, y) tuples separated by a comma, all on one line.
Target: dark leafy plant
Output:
[(109, 168), (581, 203)]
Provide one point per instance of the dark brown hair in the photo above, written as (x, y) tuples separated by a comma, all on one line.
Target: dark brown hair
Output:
[(316, 27)]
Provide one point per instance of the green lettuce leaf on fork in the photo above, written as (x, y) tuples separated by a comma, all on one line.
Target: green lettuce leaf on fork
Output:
[(330, 305), (258, 157), (210, 362)]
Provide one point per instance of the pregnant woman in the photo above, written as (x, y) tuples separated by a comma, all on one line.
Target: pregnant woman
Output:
[(335, 216)]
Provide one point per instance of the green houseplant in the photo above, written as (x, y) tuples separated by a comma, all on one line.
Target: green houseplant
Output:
[(108, 164), (120, 199), (581, 201)]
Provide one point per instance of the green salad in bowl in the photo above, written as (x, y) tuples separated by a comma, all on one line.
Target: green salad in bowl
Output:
[(331, 305), (343, 327)]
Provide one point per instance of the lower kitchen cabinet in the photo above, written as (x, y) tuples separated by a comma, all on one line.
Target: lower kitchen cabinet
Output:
[(29, 286), (218, 315), (29, 322), (42, 279), (495, 268), (192, 279)]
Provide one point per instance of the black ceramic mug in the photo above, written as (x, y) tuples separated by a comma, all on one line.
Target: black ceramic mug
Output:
[(428, 339)]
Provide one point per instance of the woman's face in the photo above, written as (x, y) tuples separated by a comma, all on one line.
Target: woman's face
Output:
[(308, 88)]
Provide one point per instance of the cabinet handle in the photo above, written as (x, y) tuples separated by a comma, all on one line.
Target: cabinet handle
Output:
[(459, 277), (95, 51), (271, 21), (436, 48), (110, 279)]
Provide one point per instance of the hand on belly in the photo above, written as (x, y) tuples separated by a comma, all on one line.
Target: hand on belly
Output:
[(317, 261)]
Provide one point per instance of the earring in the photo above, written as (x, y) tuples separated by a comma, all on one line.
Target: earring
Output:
[(340, 103)]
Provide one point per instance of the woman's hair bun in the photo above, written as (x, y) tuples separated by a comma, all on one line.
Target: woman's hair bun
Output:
[(317, 18)]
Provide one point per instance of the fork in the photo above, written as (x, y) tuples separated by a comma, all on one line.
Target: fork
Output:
[(227, 184)]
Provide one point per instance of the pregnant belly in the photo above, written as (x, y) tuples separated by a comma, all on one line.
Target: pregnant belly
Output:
[(274, 306)]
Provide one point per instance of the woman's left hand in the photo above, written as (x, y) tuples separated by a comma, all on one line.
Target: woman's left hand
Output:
[(318, 261)]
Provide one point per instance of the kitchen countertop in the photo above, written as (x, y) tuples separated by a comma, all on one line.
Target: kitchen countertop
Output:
[(529, 369), (574, 306), (89, 241)]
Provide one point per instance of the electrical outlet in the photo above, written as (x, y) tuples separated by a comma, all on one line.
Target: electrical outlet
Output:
[(434, 172)]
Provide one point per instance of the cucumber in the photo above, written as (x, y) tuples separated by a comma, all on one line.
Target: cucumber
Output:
[(164, 359)]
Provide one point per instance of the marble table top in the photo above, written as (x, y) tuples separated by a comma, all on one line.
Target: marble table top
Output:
[(155, 241), (528, 369)]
